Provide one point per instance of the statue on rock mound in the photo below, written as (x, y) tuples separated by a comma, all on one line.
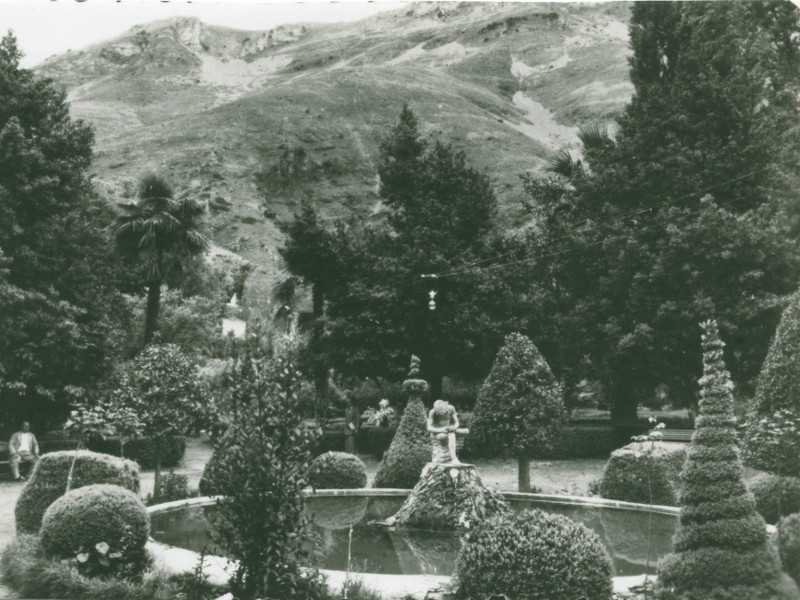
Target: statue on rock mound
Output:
[(449, 495)]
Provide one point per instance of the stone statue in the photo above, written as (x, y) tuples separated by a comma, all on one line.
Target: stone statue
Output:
[(443, 425)]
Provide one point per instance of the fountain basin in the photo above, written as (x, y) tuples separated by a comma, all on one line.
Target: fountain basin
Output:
[(622, 527)]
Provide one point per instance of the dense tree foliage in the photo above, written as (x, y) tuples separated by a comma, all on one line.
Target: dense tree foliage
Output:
[(60, 309), (310, 254), (720, 549), (162, 393), (520, 407), (160, 234), (684, 213), (440, 221)]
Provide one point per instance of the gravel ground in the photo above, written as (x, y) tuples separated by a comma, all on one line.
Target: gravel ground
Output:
[(556, 476)]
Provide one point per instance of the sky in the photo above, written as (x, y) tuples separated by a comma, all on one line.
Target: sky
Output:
[(47, 27)]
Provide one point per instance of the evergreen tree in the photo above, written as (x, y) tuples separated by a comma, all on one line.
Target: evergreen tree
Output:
[(440, 222), (520, 407), (309, 253), (410, 449), (720, 548)]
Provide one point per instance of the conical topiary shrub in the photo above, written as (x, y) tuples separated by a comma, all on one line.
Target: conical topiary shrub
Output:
[(410, 450), (771, 441), (779, 380), (520, 407), (720, 549)]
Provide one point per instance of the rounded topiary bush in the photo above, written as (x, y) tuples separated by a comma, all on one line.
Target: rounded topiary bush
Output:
[(635, 471), (789, 545), (95, 514), (766, 487), (337, 470), (532, 555), (49, 481)]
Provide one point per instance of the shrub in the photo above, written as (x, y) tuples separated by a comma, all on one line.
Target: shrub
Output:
[(720, 547), (789, 545), (520, 407), (409, 452), (104, 526), (642, 469), (49, 481), (143, 451), (172, 486), (26, 570), (765, 491), (779, 381), (532, 555), (337, 470), (262, 468)]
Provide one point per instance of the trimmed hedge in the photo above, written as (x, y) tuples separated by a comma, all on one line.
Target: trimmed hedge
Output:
[(531, 555), (143, 450), (765, 488), (49, 481), (789, 545), (337, 470), (172, 486), (212, 472), (410, 450), (641, 468), (718, 554), (87, 516), (26, 570)]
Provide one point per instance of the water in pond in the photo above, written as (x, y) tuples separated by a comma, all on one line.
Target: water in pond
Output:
[(377, 550)]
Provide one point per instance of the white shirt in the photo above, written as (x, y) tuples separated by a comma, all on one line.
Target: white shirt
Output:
[(25, 442)]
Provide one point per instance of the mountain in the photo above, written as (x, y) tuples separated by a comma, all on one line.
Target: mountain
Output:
[(236, 117)]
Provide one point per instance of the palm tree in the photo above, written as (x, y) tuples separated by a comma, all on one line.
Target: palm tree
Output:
[(161, 233)]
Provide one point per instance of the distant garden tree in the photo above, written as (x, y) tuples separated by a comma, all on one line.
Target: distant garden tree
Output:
[(520, 407), (309, 253), (721, 548), (159, 233), (162, 389), (686, 211), (61, 312)]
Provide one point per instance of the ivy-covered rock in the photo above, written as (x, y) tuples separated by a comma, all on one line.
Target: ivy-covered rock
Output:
[(532, 555), (337, 470), (49, 481), (646, 472), (720, 548)]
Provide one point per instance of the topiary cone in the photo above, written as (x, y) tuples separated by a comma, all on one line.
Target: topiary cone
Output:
[(720, 548), (410, 449)]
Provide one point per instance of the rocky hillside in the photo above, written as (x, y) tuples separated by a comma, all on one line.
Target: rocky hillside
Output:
[(248, 120)]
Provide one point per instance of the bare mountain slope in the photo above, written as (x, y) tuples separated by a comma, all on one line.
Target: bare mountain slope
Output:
[(233, 117)]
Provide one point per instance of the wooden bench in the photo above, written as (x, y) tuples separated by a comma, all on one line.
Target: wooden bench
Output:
[(683, 436)]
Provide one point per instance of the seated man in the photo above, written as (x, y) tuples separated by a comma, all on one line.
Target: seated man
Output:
[(22, 447)]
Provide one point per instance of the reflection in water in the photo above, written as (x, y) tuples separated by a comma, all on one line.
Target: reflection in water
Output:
[(378, 550)]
